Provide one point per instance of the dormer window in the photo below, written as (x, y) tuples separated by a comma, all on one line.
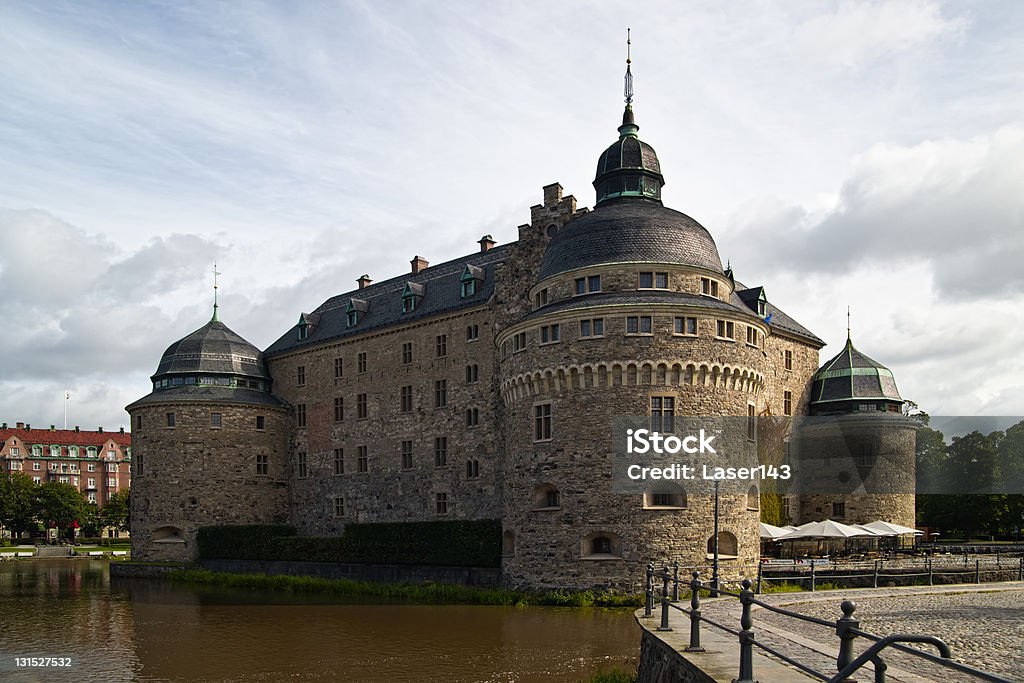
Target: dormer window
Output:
[(411, 296), (472, 276), (306, 322), (303, 331), (354, 311), (55, 451)]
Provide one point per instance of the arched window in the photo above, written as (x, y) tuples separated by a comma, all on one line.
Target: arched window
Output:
[(727, 546), (168, 534), (508, 544), (601, 545), (753, 499), (546, 496), (665, 496)]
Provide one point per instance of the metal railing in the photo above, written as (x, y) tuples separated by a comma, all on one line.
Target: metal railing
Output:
[(846, 627)]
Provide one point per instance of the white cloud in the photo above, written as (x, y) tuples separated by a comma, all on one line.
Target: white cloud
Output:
[(859, 32)]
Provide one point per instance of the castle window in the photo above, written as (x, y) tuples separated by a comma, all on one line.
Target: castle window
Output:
[(549, 334), (300, 415), (440, 393), (339, 507), (753, 499), (339, 461), (441, 451), (262, 465), (865, 455), (639, 324), (339, 368), (709, 287), (407, 399), (339, 409), (541, 298), (788, 355), (519, 342), (361, 362), (663, 412), (508, 544), (472, 469), (139, 469), (725, 329), (406, 353), (751, 422), (362, 459), (303, 331), (787, 403), (762, 308), (592, 328), (138, 422), (727, 546), (472, 417), (215, 421), (649, 280), (685, 326), (546, 497), (441, 346), (588, 285), (362, 411), (666, 495), (54, 451), (261, 423), (300, 375), (472, 333), (542, 422), (751, 336), (468, 288), (601, 545), (786, 516), (300, 465), (839, 510), (351, 318), (441, 503), (170, 423), (472, 373), (407, 455)]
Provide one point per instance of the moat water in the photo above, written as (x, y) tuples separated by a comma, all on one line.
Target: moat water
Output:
[(143, 630)]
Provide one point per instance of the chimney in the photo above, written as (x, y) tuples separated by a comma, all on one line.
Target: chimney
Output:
[(99, 430), (122, 430), (53, 428), (419, 264), (5, 426), (19, 425), (363, 281), (28, 426), (486, 243), (76, 428)]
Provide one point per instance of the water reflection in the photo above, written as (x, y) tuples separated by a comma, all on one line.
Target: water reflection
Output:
[(152, 631)]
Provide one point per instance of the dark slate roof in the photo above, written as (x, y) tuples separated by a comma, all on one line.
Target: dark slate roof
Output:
[(213, 349), (381, 302), (628, 152), (852, 376), (630, 230), (208, 394), (774, 316), (632, 298)]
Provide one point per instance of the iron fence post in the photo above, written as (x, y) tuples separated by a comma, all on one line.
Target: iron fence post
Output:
[(931, 573), (694, 645), (812, 575), (876, 573), (1020, 571), (675, 581), (664, 601), (760, 571), (977, 570), (649, 601), (746, 636), (843, 626)]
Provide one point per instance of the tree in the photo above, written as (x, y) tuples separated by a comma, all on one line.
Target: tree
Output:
[(17, 502), (60, 505), (115, 512), (772, 432)]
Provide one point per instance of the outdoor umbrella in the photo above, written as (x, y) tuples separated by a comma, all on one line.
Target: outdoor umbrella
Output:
[(771, 533), (892, 529)]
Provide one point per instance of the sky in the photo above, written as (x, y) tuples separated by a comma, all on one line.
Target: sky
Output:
[(861, 154)]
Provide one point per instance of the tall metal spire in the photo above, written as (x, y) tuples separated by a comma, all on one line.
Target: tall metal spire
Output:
[(628, 89), (847, 323), (215, 274)]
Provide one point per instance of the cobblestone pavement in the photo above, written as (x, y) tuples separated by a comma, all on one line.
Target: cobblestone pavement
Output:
[(983, 627)]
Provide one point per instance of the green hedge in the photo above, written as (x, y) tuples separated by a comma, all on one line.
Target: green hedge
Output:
[(454, 543)]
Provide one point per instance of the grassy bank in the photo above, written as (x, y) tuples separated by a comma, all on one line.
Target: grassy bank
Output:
[(429, 593)]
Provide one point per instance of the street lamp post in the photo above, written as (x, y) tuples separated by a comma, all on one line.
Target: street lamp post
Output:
[(714, 559)]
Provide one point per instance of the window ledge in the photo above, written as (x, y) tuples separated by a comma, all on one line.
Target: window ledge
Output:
[(549, 343), (664, 507), (728, 339), (546, 509), (603, 557), (711, 556), (543, 440), (685, 334), (639, 334)]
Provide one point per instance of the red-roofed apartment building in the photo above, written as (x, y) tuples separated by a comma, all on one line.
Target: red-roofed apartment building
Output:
[(96, 463)]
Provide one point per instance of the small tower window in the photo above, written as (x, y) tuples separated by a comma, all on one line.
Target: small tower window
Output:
[(354, 311), (471, 277), (411, 296)]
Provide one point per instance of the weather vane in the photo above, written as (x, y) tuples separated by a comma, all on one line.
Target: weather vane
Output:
[(215, 274), (628, 90)]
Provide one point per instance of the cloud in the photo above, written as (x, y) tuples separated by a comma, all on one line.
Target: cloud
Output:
[(860, 32)]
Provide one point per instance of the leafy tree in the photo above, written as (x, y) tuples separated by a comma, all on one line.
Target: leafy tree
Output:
[(17, 502), (60, 505), (772, 431), (115, 512)]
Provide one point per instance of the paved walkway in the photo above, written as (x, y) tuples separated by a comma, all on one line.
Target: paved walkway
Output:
[(983, 624)]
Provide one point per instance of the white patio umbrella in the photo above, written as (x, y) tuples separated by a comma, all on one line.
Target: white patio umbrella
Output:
[(771, 532), (893, 529), (824, 529), (873, 532)]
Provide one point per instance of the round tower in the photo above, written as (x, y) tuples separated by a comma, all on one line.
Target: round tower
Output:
[(856, 453), (634, 315), (210, 445)]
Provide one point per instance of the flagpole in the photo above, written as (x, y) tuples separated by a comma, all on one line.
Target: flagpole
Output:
[(66, 397)]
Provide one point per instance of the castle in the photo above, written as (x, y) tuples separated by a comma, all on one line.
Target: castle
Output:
[(484, 387)]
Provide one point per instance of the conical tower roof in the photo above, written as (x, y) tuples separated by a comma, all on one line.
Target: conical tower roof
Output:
[(851, 380)]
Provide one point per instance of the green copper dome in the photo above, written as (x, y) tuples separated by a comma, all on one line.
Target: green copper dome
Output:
[(853, 382), (629, 167)]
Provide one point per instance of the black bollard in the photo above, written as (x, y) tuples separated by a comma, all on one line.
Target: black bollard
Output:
[(746, 636), (675, 581), (843, 626), (649, 593), (694, 645), (664, 601)]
